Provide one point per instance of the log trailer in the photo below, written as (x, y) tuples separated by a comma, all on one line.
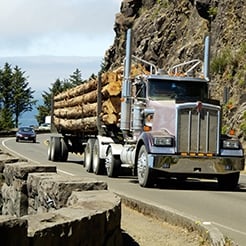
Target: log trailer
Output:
[(168, 127)]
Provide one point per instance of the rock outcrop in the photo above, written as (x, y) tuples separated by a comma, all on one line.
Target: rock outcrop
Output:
[(168, 32)]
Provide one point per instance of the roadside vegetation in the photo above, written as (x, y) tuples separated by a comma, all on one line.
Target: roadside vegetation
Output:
[(229, 68), (57, 87), (16, 97)]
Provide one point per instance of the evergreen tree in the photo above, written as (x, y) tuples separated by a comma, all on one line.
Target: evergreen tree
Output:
[(65, 84), (6, 121), (60, 86), (57, 87), (15, 96), (45, 109), (76, 78), (23, 99)]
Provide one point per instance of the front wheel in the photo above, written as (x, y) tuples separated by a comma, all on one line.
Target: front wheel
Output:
[(112, 164), (145, 178)]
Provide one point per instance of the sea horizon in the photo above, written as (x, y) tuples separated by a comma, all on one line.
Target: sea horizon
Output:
[(28, 118)]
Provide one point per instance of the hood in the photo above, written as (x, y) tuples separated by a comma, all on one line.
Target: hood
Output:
[(164, 116)]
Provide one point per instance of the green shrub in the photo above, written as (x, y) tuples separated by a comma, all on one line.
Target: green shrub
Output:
[(213, 12), (221, 61), (243, 124)]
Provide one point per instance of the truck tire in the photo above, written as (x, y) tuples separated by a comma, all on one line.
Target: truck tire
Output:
[(97, 163), (49, 150), (88, 154), (64, 150), (228, 181), (112, 164), (144, 174), (55, 149)]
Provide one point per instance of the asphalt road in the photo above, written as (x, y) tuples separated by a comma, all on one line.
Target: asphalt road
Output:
[(200, 199)]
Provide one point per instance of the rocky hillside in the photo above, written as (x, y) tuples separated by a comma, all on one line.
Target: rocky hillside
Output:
[(167, 32)]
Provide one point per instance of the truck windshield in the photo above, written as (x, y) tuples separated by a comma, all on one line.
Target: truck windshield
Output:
[(179, 90)]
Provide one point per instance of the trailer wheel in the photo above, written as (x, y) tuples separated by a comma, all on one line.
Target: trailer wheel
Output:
[(229, 181), (55, 149), (64, 150), (145, 178), (112, 164), (97, 163), (88, 154)]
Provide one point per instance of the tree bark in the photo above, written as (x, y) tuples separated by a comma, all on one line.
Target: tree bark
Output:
[(84, 88), (76, 112), (76, 108), (81, 125)]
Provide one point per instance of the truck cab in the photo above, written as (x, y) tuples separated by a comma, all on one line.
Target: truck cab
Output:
[(175, 131), (171, 128)]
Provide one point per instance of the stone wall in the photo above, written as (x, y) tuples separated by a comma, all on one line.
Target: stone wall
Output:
[(42, 207)]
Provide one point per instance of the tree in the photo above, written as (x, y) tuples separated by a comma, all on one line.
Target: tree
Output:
[(23, 99), (15, 96), (57, 87), (6, 121), (45, 109), (76, 78)]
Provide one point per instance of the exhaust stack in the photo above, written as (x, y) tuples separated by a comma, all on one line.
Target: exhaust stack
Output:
[(206, 58), (126, 87)]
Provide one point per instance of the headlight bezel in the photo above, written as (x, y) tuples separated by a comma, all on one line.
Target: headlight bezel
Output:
[(163, 141)]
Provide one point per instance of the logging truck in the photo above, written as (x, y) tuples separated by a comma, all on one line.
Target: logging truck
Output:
[(159, 125)]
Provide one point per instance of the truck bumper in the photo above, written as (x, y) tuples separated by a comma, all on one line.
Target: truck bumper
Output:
[(197, 165)]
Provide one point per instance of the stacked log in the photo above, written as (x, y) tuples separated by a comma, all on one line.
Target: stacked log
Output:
[(76, 108)]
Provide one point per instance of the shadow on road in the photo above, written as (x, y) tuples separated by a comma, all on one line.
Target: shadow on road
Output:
[(128, 240), (190, 184)]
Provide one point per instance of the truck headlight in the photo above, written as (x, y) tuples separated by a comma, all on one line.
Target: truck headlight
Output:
[(231, 144), (163, 141)]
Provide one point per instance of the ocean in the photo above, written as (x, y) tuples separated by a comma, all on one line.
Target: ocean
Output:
[(28, 118)]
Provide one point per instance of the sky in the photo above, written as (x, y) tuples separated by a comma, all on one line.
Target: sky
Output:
[(31, 31), (56, 27), (50, 39)]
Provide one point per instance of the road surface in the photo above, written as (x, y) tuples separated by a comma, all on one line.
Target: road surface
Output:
[(197, 198)]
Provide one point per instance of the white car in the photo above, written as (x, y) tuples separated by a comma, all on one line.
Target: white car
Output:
[(44, 126)]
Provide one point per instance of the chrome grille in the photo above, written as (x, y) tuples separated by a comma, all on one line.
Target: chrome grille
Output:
[(198, 129)]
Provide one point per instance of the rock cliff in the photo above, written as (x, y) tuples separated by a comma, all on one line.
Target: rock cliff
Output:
[(167, 32)]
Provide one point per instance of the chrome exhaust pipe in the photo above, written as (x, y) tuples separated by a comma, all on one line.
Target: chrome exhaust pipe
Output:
[(206, 63), (126, 87)]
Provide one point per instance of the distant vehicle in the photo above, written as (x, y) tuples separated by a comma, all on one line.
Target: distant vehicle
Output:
[(47, 119), (26, 134), (44, 126)]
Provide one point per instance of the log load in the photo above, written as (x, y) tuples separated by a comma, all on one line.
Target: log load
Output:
[(76, 109)]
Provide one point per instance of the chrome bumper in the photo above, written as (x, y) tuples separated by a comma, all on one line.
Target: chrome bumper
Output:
[(193, 165)]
